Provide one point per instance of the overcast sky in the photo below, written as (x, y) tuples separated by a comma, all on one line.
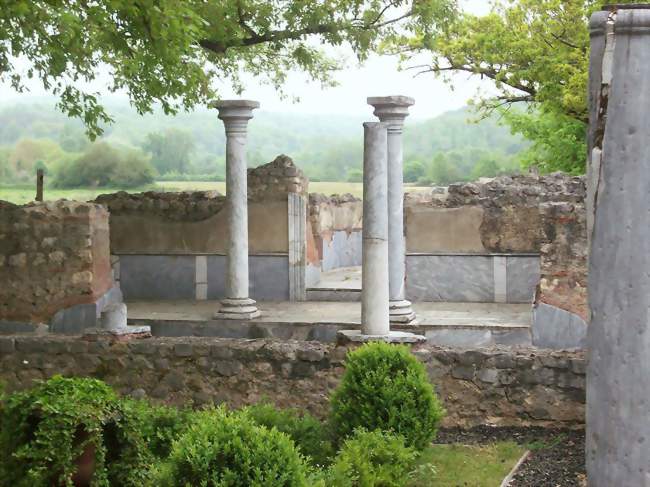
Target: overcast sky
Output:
[(377, 77)]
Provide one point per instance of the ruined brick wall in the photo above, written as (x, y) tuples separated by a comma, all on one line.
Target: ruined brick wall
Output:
[(53, 255), (275, 179), (563, 255), (500, 387)]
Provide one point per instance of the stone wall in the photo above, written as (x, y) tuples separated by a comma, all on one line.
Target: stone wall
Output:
[(500, 387), (498, 216), (277, 178), (496, 240), (53, 256), (189, 223)]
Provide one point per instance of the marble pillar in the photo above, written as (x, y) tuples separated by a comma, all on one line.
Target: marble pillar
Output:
[(374, 273), (235, 115), (392, 110), (375, 324), (618, 374)]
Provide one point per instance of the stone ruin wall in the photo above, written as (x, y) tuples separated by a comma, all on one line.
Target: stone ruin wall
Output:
[(498, 387), (174, 245), (542, 215), (53, 255)]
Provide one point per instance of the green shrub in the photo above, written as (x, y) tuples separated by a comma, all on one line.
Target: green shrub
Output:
[(385, 387), (372, 459), (221, 448), (158, 425), (307, 432), (45, 430)]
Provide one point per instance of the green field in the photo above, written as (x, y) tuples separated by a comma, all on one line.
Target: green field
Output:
[(25, 194)]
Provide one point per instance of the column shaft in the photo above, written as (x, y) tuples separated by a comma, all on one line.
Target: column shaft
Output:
[(235, 115), (237, 207), (392, 110), (374, 296), (618, 377), (396, 242)]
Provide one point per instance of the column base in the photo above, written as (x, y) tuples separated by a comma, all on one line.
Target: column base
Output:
[(401, 312), (237, 309), (357, 336)]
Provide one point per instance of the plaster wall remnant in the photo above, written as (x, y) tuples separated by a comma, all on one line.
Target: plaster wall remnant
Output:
[(54, 256), (393, 110), (235, 115), (618, 382)]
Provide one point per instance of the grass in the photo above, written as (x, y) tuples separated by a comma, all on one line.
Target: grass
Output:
[(25, 193), (467, 466)]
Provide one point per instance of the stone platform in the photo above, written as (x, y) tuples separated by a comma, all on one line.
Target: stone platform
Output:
[(444, 324)]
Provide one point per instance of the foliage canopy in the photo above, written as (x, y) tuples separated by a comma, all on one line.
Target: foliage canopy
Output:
[(536, 52), (173, 52)]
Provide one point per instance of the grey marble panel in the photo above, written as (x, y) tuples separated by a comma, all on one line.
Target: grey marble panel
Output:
[(557, 329), (268, 277), (344, 250), (157, 276), (217, 276), (452, 278), (523, 274)]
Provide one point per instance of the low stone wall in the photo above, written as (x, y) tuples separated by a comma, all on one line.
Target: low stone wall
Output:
[(500, 387), (54, 256)]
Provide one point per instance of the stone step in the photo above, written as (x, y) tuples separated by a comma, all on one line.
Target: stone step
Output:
[(333, 294), (462, 325)]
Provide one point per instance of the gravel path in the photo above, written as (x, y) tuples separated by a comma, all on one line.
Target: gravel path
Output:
[(557, 456)]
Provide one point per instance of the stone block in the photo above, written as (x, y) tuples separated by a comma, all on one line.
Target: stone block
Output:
[(7, 345), (228, 368), (183, 350)]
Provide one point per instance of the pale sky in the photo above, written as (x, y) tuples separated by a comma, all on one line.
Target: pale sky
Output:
[(379, 76)]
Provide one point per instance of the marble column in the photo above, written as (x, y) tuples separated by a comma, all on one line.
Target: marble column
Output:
[(235, 115), (392, 110), (374, 273), (618, 374)]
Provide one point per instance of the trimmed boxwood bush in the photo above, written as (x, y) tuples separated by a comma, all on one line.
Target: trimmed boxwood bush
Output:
[(385, 387), (372, 459), (159, 425), (222, 448), (45, 431), (308, 433)]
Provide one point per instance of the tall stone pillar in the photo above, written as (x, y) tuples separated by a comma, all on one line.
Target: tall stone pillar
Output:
[(375, 324), (618, 375), (374, 273), (392, 110), (235, 115)]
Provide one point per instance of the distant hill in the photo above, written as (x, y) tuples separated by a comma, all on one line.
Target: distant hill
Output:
[(328, 147)]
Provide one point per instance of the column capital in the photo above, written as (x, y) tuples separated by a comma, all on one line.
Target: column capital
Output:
[(391, 109), (235, 113)]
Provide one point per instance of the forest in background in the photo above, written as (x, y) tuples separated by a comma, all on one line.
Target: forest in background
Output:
[(137, 150)]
